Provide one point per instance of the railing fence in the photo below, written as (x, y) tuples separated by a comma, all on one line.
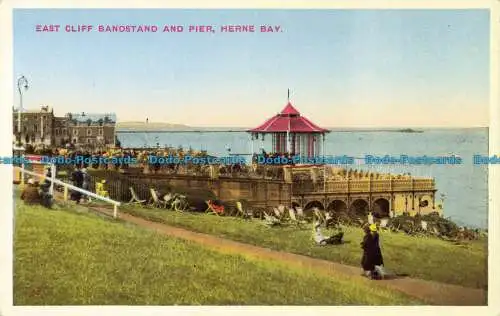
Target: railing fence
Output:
[(67, 187)]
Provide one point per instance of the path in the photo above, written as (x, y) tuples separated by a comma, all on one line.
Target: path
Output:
[(432, 292)]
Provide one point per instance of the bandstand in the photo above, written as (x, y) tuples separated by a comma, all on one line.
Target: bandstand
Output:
[(291, 134)]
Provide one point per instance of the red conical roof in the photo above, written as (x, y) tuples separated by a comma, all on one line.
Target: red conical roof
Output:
[(289, 120), (289, 110)]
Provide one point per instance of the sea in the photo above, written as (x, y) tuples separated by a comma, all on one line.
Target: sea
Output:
[(463, 187)]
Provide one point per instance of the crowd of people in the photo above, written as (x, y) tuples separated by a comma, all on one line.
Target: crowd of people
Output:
[(122, 159), (117, 157), (34, 193)]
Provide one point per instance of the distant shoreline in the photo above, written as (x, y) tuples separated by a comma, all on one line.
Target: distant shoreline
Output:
[(177, 131), (239, 130), (163, 127)]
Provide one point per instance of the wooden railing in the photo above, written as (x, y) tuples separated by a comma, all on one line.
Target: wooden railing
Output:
[(68, 187), (364, 185)]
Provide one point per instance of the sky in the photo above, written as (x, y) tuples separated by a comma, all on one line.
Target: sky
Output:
[(344, 68)]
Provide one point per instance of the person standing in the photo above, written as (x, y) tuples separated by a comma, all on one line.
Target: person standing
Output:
[(85, 182), (77, 178), (46, 196), (372, 259), (46, 183)]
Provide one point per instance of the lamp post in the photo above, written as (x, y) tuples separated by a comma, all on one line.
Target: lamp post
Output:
[(22, 82)]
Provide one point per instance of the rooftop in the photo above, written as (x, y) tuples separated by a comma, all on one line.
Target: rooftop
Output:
[(288, 120), (95, 117)]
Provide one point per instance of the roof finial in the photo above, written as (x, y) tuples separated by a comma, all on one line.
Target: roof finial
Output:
[(288, 99)]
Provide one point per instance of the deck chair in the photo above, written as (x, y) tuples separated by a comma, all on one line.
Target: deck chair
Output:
[(271, 220), (282, 209), (321, 240), (294, 219), (177, 203), (300, 213), (214, 209), (384, 222), (278, 214), (156, 202), (329, 220), (135, 199), (241, 212), (168, 197), (319, 215), (423, 224)]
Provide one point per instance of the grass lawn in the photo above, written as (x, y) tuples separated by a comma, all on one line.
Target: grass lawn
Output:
[(425, 258), (72, 257)]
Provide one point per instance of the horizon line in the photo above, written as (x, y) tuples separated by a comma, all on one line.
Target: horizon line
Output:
[(239, 128)]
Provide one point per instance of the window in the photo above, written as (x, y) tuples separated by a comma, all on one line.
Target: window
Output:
[(35, 127), (101, 132), (75, 132), (64, 131), (57, 131), (89, 140), (89, 132), (424, 203)]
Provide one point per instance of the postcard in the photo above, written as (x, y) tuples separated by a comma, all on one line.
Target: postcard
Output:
[(245, 156)]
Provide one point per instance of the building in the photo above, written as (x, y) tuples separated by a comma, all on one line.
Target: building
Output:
[(36, 126), (291, 133), (42, 127), (332, 188), (88, 130), (61, 131)]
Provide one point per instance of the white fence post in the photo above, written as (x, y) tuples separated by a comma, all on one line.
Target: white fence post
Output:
[(370, 218), (22, 173), (53, 172)]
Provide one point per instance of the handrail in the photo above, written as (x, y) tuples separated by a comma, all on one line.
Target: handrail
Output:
[(75, 188)]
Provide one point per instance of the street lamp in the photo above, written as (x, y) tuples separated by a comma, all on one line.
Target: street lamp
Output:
[(22, 82)]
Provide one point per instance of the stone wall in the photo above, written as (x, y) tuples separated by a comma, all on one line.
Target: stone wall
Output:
[(257, 192), (392, 195)]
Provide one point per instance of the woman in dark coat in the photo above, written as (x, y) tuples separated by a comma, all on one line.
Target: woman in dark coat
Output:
[(77, 178), (372, 254)]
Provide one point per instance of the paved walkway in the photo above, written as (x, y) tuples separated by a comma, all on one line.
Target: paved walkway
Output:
[(428, 291)]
